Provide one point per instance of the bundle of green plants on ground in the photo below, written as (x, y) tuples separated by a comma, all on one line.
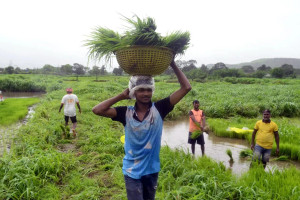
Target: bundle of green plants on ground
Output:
[(104, 42), (281, 158), (246, 153), (229, 153)]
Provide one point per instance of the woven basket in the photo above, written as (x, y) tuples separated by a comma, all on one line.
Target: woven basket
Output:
[(144, 60)]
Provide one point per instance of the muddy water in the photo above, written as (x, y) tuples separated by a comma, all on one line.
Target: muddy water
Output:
[(175, 135)]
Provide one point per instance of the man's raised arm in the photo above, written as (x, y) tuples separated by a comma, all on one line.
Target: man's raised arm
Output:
[(185, 85), (104, 108)]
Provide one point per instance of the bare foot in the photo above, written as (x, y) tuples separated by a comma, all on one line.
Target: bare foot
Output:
[(74, 133)]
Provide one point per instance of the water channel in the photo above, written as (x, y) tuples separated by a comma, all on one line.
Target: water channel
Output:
[(175, 135), (7, 133)]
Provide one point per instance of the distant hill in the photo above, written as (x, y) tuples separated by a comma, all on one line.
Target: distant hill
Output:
[(272, 62)]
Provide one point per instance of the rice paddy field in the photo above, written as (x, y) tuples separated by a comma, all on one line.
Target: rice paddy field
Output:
[(44, 162)]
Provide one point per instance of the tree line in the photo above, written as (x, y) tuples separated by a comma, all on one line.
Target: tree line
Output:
[(75, 69), (190, 68), (220, 70)]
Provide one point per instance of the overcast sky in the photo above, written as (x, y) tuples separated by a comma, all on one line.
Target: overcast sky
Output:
[(38, 32)]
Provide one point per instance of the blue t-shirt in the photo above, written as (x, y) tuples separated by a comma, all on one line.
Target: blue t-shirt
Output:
[(143, 138)]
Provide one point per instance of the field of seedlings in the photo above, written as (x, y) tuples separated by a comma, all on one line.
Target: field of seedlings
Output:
[(45, 162)]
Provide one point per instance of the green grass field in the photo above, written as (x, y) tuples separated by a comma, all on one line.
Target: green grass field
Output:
[(43, 164), (13, 109)]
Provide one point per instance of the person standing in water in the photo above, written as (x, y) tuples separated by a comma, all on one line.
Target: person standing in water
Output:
[(263, 134), (197, 122)]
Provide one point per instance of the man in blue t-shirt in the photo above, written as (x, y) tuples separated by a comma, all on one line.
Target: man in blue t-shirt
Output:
[(143, 125)]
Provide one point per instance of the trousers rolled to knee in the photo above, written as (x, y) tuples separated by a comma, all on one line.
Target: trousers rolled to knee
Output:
[(261, 154)]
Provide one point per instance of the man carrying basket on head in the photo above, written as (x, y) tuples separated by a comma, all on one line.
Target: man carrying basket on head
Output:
[(143, 124)]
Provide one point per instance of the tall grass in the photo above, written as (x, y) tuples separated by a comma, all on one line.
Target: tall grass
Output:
[(183, 177), (257, 184), (19, 85), (25, 177), (30, 83)]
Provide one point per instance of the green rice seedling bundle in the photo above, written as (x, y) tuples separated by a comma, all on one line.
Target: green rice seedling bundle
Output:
[(281, 158), (104, 42), (140, 48), (196, 134), (142, 33), (229, 153), (246, 153)]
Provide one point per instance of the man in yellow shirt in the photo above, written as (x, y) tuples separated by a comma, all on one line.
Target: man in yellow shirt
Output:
[(264, 130)]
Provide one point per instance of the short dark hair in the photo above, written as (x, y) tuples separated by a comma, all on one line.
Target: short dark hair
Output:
[(267, 110), (195, 101)]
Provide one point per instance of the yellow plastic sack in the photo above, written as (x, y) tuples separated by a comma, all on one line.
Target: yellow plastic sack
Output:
[(240, 130)]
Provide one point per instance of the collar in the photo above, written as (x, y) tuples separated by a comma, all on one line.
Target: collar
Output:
[(266, 121), (147, 113), (149, 104)]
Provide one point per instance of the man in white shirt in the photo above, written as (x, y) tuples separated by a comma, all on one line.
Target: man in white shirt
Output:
[(69, 101), (1, 97)]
